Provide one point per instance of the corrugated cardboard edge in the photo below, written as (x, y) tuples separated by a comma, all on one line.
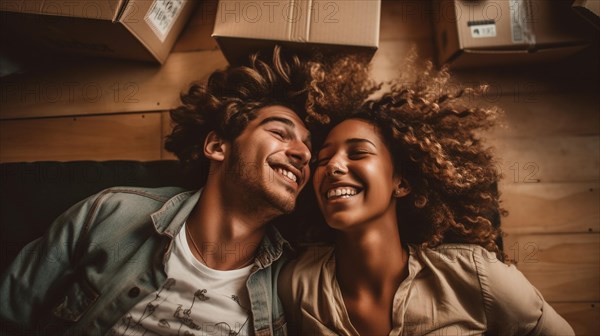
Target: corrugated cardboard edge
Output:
[(464, 59), (122, 7)]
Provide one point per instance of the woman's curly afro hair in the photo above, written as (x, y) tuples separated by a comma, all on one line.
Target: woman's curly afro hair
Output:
[(433, 131)]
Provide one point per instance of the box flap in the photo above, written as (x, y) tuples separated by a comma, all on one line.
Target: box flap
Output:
[(332, 22)]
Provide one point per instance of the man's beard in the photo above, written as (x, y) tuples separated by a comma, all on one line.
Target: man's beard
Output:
[(254, 182)]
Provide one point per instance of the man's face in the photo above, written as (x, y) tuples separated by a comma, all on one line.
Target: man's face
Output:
[(268, 161)]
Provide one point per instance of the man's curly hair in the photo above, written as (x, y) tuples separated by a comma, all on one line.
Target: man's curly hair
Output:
[(433, 132), (230, 99)]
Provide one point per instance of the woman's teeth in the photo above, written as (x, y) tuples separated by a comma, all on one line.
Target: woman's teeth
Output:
[(341, 192)]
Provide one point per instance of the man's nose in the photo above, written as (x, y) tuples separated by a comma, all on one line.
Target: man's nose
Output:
[(299, 152)]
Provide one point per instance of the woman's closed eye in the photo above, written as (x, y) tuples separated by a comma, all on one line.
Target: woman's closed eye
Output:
[(359, 153)]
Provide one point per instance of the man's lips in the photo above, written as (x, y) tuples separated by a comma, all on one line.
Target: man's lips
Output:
[(289, 172)]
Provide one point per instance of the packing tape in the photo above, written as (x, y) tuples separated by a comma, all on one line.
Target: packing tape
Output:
[(521, 22)]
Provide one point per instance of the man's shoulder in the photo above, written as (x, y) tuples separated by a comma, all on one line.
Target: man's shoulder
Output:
[(120, 200), (162, 194)]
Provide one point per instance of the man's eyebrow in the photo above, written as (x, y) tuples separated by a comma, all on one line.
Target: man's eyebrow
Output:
[(350, 142), (288, 123), (278, 119)]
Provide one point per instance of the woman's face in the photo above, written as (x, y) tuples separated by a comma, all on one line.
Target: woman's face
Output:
[(354, 181)]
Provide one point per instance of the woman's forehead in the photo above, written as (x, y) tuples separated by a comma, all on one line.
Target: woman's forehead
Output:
[(353, 128)]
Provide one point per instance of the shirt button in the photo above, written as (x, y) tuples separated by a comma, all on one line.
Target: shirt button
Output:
[(134, 292)]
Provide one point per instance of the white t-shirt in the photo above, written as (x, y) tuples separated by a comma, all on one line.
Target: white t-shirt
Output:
[(195, 300)]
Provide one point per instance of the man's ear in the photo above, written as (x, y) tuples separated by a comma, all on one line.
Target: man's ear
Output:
[(402, 187), (214, 147)]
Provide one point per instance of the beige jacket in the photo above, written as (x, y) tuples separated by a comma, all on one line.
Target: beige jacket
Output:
[(454, 289)]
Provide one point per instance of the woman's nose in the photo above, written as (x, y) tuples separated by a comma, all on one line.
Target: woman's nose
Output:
[(335, 167)]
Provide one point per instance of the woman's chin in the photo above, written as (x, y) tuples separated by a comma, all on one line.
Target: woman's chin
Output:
[(340, 221)]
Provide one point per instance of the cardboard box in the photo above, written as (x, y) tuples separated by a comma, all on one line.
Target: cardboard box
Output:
[(132, 29), (589, 10), (505, 32), (246, 26)]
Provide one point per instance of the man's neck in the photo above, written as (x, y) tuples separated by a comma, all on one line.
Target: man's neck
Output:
[(225, 236)]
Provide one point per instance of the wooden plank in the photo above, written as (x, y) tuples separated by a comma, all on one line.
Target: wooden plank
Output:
[(109, 137), (563, 267), (105, 86), (551, 207), (197, 33), (583, 317), (406, 20), (545, 114), (548, 159), (575, 73), (166, 129)]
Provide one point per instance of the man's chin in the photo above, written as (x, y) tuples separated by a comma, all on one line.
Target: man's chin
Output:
[(284, 206)]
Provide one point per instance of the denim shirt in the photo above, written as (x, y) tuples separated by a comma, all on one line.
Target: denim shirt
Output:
[(107, 253)]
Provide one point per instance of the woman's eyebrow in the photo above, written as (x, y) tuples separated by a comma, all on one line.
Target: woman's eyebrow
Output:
[(350, 142), (360, 140)]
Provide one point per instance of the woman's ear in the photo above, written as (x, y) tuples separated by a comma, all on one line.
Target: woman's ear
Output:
[(402, 188), (214, 147)]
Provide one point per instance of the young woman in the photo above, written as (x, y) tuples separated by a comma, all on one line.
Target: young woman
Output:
[(410, 191)]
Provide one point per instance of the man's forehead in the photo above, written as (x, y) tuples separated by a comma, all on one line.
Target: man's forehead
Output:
[(284, 115), (279, 111)]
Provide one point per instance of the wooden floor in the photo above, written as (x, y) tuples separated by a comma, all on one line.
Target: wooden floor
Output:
[(549, 150)]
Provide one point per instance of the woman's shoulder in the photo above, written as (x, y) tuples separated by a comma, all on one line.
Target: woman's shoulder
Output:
[(312, 259), (306, 277), (511, 303), (456, 257)]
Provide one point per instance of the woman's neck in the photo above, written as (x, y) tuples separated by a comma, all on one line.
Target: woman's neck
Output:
[(370, 265), (371, 259)]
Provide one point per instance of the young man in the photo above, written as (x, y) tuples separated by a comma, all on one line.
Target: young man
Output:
[(163, 261)]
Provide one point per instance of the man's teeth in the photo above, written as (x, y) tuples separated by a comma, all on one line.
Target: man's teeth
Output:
[(286, 173), (344, 191)]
